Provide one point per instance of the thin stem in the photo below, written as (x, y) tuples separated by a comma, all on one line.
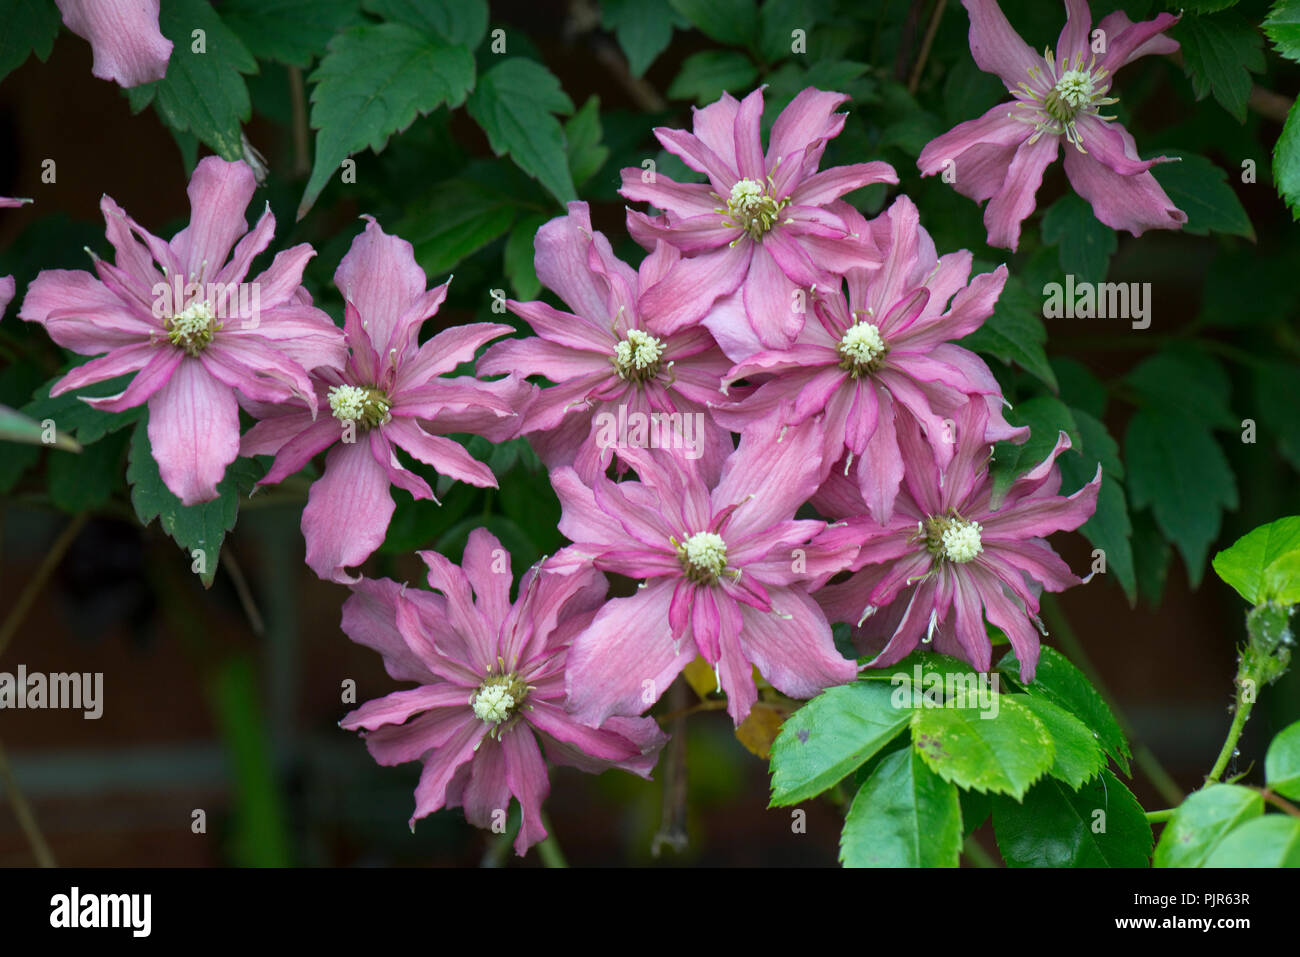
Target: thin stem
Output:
[(931, 29), (241, 589), (298, 100), (43, 571), (1240, 713), (1277, 801), (1142, 755), (23, 811), (549, 849), (1155, 817), (976, 854)]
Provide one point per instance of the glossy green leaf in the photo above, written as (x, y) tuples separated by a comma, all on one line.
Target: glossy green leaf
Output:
[(1004, 751), (904, 815), (1269, 841), (1282, 763), (1244, 564), (1199, 188), (1015, 332), (30, 26), (1099, 825), (1201, 822), (295, 32), (1219, 53), (1085, 244), (705, 76), (1078, 755), (643, 28), (462, 22)]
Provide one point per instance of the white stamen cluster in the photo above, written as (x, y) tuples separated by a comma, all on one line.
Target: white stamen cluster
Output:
[(347, 402), (860, 347), (493, 703), (704, 555), (1071, 90), (1076, 88), (637, 357), (191, 329), (961, 540), (751, 208)]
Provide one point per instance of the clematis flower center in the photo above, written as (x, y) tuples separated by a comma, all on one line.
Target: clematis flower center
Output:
[(366, 406), (703, 556), (751, 208), (1075, 90), (637, 357), (192, 328), (861, 349), (952, 538), (498, 700)]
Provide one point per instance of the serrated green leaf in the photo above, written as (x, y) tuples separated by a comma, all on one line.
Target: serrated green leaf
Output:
[(1179, 471), (731, 22), (1286, 161), (455, 219), (705, 76), (1269, 841), (203, 92), (583, 134), (1275, 396), (777, 21), (79, 483), (514, 104), (1085, 244), (830, 737), (1047, 418), (904, 815), (1078, 755), (1282, 762), (199, 527), (294, 32), (1160, 384), (1219, 53), (72, 416), (1110, 527), (1061, 683), (372, 83), (1201, 822), (644, 29), (1200, 189), (1099, 825), (461, 22), (30, 26), (1015, 333), (1283, 27), (1003, 752), (1244, 563), (975, 810), (1080, 389)]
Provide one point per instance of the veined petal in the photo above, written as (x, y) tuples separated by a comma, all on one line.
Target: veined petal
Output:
[(996, 46), (1010, 207), (219, 193), (129, 48), (193, 432), (347, 512)]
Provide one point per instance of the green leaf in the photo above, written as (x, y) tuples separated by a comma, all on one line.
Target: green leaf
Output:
[(1160, 383), (1274, 395), (1099, 825), (1080, 389), (583, 134), (202, 93), (1061, 683), (72, 416), (1219, 54), (289, 31), (832, 736), (1200, 189), (705, 76), (1180, 471), (1015, 333), (199, 527), (373, 83), (1245, 562), (514, 103), (1269, 841), (777, 21), (904, 815), (1110, 527), (456, 218), (731, 22), (1004, 751), (17, 427), (82, 482), (30, 26), (644, 29), (1283, 28), (1282, 763), (519, 263), (975, 810), (1086, 244), (1047, 418), (1201, 822), (1286, 161), (1078, 755), (462, 22)]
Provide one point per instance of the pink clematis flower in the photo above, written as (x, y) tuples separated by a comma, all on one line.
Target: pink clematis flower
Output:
[(128, 46), (879, 362), (1001, 156), (490, 685), (390, 389), (613, 365), (949, 549), (727, 571), (768, 225), (7, 287), (196, 335)]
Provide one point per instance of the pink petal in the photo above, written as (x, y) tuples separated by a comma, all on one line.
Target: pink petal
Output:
[(1133, 203), (795, 653), (152, 377), (680, 199), (821, 188), (448, 457), (347, 513), (81, 314), (219, 194), (979, 151), (129, 48), (526, 777), (442, 764), (996, 46), (1010, 207), (448, 349), (193, 431), (1127, 41), (690, 288), (370, 619), (380, 277), (806, 120), (1073, 41)]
